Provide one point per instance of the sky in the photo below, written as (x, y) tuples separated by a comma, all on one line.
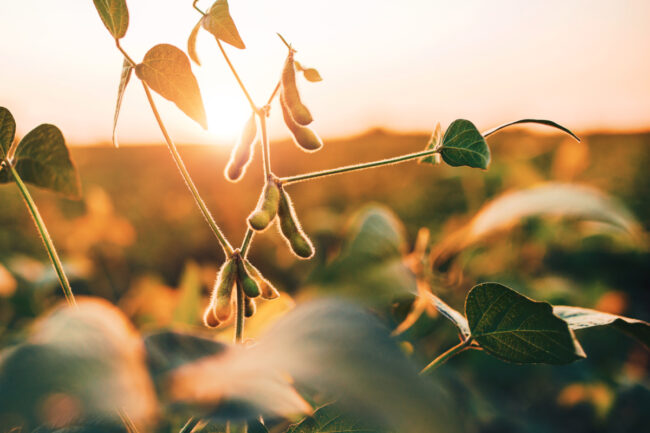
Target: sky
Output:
[(396, 65)]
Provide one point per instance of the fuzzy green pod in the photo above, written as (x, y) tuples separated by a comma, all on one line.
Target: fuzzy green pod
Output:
[(210, 317), (249, 307), (223, 288), (266, 288), (291, 229), (242, 153), (298, 111), (303, 136), (267, 207), (249, 285)]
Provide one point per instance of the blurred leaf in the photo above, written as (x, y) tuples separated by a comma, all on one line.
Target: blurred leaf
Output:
[(7, 132), (191, 43), (79, 364), (370, 265), (124, 80), (539, 121), (581, 318), (310, 74), (456, 318), (42, 159), (219, 22), (188, 307), (434, 143), (115, 16), (463, 144), (328, 419), (517, 329), (167, 70)]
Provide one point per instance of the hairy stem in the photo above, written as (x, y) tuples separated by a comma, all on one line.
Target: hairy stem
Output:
[(275, 92), (189, 425), (239, 318), (196, 7), (303, 177), (234, 72), (126, 56), (266, 148), (45, 236), (460, 347), (248, 237), (227, 248)]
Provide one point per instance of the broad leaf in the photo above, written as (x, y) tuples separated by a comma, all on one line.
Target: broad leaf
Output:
[(79, 364), (581, 318), (463, 144), (219, 22), (328, 419), (127, 69), (115, 16), (191, 42), (167, 70), (42, 159), (539, 121), (7, 132), (434, 143), (456, 318), (517, 329)]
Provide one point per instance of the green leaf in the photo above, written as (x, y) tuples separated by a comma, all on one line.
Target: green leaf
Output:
[(7, 132), (115, 16), (454, 316), (539, 121), (167, 70), (191, 43), (463, 144), (581, 318), (517, 329), (328, 419), (219, 22), (127, 69), (434, 143), (42, 159)]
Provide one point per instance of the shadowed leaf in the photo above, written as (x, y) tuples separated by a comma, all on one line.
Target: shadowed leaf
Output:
[(517, 329), (463, 144), (166, 69), (219, 22), (582, 318), (7, 132), (328, 419), (127, 69), (115, 16), (538, 121), (434, 143), (191, 42)]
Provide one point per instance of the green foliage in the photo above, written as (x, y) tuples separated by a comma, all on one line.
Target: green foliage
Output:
[(115, 16), (328, 419), (219, 22), (538, 121), (127, 69), (7, 131), (463, 144), (515, 328), (167, 70)]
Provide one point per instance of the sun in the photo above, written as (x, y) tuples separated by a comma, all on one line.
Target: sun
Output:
[(227, 115)]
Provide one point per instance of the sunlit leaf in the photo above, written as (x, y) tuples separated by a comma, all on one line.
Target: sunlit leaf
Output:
[(581, 318), (42, 159), (539, 121), (191, 42), (328, 419), (434, 143), (454, 316), (79, 364), (517, 329), (463, 144), (167, 70), (219, 22), (127, 69), (115, 16), (7, 132)]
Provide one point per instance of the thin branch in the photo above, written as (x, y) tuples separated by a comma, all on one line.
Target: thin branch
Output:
[(460, 347), (234, 72)]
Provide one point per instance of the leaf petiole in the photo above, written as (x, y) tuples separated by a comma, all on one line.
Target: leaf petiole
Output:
[(460, 347)]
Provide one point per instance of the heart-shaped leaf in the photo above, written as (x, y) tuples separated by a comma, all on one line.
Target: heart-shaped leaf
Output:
[(434, 143), (328, 419), (538, 121), (7, 132), (127, 69), (582, 318), (219, 22), (517, 329), (167, 70), (115, 16), (463, 144), (191, 43), (42, 159)]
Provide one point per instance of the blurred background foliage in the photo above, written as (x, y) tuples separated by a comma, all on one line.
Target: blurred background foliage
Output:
[(137, 240)]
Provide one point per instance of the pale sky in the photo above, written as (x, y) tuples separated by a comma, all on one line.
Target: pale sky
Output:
[(400, 65)]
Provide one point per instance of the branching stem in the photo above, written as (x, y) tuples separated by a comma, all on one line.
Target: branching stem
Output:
[(239, 318), (460, 347), (234, 72)]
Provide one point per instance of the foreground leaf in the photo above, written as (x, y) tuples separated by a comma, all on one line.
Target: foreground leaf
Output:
[(463, 144), (434, 143), (127, 69), (538, 121), (7, 132), (115, 16), (517, 329), (167, 70), (219, 22), (329, 419), (582, 318), (42, 159)]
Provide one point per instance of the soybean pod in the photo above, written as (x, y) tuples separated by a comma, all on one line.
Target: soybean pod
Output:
[(223, 287), (267, 207), (248, 283), (303, 136), (298, 111), (249, 307), (242, 153), (268, 291), (291, 229)]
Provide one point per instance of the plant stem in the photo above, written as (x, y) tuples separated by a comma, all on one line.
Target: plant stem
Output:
[(275, 92), (227, 248), (189, 425), (234, 72), (266, 148), (45, 236), (126, 56), (248, 237), (197, 8), (460, 347), (239, 318), (302, 177)]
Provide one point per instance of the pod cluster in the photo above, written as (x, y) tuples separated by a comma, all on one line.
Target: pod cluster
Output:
[(236, 272)]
